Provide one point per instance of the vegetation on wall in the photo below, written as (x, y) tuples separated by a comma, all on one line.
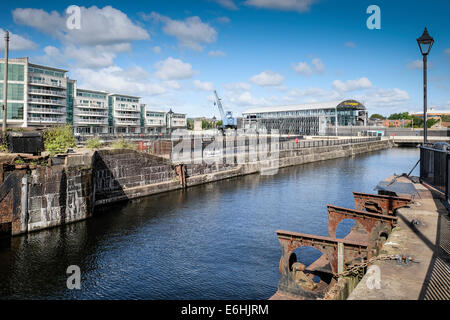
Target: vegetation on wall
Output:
[(122, 144), (94, 143), (58, 139)]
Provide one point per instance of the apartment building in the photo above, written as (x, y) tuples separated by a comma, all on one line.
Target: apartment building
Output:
[(155, 122), (41, 96), (90, 111), (36, 94), (124, 113)]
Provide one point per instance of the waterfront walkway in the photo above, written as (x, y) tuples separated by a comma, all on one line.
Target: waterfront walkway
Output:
[(423, 234)]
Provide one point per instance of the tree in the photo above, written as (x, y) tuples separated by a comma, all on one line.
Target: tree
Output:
[(58, 139), (206, 124), (190, 124), (400, 116), (377, 116)]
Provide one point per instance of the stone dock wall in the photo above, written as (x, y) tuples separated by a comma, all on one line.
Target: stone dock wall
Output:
[(35, 197)]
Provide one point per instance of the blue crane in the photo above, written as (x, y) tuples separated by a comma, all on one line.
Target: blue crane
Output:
[(228, 121)]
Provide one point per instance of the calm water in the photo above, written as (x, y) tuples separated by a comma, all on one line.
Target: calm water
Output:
[(215, 241)]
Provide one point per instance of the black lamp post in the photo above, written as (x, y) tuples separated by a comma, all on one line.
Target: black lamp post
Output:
[(425, 43)]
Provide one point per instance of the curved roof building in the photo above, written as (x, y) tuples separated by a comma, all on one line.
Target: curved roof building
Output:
[(316, 118)]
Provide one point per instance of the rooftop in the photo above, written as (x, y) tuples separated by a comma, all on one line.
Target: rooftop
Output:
[(296, 107)]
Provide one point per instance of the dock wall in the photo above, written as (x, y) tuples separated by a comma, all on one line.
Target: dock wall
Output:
[(35, 197)]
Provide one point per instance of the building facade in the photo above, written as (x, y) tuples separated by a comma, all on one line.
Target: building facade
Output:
[(307, 119), (41, 96), (36, 94)]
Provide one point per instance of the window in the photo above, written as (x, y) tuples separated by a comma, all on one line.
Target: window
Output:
[(15, 91), (15, 72)]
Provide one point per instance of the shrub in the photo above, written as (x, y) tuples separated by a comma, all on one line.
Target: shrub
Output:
[(58, 139), (94, 143), (122, 144)]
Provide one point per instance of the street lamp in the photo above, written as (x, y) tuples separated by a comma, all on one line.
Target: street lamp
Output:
[(425, 43)]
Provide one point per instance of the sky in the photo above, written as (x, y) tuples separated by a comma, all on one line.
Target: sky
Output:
[(255, 53)]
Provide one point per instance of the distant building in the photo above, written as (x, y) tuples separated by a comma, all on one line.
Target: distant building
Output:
[(395, 123), (432, 114), (41, 96), (307, 119)]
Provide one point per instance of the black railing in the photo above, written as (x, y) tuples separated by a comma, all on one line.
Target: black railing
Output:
[(434, 169)]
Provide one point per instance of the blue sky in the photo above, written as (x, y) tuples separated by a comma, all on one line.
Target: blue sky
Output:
[(254, 52)]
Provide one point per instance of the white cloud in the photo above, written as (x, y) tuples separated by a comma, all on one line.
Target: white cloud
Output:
[(205, 86), (384, 98), (217, 53), (229, 4), (115, 79), (283, 5), (104, 33), (16, 42), (303, 68), (352, 85), (172, 84), (105, 26), (318, 64), (157, 49), (416, 64), (191, 32), (350, 44), (173, 69), (238, 86), (447, 52), (267, 78)]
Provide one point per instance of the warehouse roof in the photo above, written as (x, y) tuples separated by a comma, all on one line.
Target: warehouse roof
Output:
[(304, 106)]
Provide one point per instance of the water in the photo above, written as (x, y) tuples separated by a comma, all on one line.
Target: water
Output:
[(215, 241)]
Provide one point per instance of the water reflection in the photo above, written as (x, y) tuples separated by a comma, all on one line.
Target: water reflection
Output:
[(214, 241)]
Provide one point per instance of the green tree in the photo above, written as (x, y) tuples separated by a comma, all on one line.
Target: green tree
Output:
[(190, 124), (206, 124), (58, 139), (400, 116), (377, 116), (94, 143)]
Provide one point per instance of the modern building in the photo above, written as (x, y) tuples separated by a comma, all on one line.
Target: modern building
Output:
[(175, 121), (41, 96), (318, 118), (90, 111), (432, 114), (155, 122), (36, 94), (124, 113)]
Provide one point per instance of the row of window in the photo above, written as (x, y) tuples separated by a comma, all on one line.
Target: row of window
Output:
[(15, 91), (46, 72), (127, 100), (90, 95), (15, 72)]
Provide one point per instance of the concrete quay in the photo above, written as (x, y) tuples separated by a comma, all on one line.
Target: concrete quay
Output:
[(423, 235)]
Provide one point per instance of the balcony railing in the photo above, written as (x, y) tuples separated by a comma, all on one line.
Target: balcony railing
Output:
[(47, 110), (48, 101), (90, 113), (126, 109), (90, 105), (90, 121), (47, 120), (127, 122), (47, 83), (129, 116), (48, 92)]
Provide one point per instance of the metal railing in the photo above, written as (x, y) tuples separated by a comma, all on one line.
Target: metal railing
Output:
[(434, 169)]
